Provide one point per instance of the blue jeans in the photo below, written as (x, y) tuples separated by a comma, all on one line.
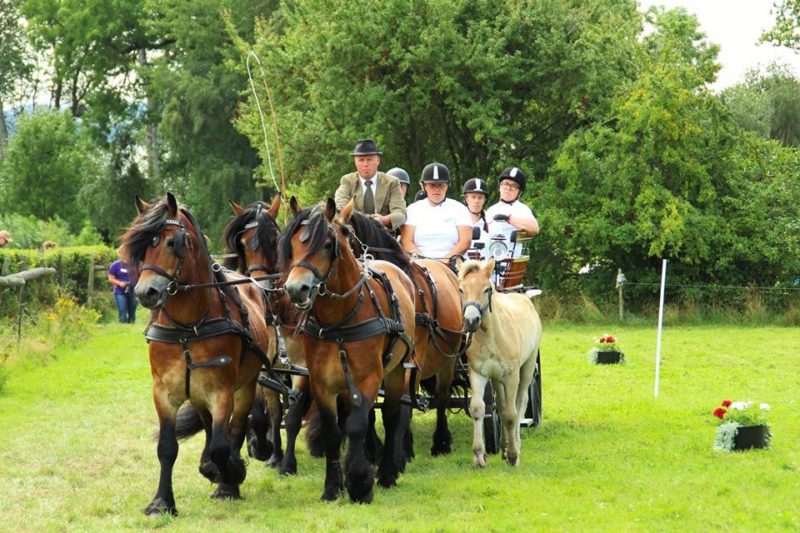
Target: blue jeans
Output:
[(126, 305)]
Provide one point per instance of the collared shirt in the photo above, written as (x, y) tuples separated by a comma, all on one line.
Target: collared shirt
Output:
[(515, 210), (436, 226)]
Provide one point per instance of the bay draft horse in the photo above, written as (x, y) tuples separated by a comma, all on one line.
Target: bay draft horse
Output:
[(506, 332), (358, 327), (438, 319), (252, 235), (207, 343)]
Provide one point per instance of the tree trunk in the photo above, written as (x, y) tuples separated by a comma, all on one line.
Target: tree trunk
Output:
[(3, 131), (153, 166)]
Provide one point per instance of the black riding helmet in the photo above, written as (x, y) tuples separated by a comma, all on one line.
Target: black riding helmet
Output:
[(516, 175), (435, 173), (400, 174), (475, 185)]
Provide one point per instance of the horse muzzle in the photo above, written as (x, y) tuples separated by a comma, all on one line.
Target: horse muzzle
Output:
[(302, 291), (152, 293), (472, 319)]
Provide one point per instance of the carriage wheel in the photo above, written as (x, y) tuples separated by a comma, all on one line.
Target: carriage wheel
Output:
[(491, 421), (534, 409)]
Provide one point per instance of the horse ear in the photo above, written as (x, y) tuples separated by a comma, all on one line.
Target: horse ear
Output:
[(330, 209), (294, 206), (488, 267), (347, 212), (457, 262), (172, 204), (237, 209), (275, 207), (141, 205)]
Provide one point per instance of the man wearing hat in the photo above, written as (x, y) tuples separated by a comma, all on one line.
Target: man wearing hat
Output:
[(5, 238), (375, 193)]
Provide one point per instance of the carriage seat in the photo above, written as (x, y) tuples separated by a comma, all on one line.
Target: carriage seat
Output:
[(511, 271)]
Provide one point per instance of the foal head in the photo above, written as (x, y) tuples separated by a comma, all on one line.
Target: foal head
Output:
[(253, 236), (310, 248), (162, 240), (475, 286)]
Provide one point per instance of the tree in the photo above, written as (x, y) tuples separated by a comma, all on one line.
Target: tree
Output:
[(47, 162), (13, 65), (475, 85), (786, 31)]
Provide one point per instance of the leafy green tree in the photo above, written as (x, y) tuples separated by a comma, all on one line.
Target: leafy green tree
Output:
[(47, 162), (786, 31), (475, 85), (13, 64)]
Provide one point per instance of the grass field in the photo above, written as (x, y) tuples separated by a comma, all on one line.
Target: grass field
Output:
[(77, 450)]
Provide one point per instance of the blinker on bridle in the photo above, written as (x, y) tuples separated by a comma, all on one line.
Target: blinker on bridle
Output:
[(336, 252), (178, 248)]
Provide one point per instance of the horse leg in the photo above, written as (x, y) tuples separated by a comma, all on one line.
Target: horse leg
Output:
[(207, 467), (394, 384), (477, 410), (404, 452), (332, 436), (525, 378), (359, 476), (373, 445), (258, 447), (221, 449), (164, 500), (442, 439), (275, 410), (294, 420), (509, 417)]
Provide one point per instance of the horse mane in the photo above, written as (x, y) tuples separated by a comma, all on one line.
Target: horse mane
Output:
[(374, 234), (315, 224), (468, 267), (139, 235), (267, 234)]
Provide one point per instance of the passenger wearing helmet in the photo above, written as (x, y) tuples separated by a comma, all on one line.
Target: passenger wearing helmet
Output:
[(475, 193), (374, 193), (402, 177), (510, 213), (437, 226)]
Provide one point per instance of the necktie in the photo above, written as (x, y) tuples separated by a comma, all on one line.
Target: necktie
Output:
[(369, 198)]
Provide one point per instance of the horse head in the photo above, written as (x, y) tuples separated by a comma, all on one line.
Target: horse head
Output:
[(475, 286), (253, 236), (164, 241), (310, 248)]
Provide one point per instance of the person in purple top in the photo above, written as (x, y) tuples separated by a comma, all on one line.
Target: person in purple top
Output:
[(123, 279)]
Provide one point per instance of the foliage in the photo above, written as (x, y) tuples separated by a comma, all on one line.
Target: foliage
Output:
[(746, 413), (68, 323), (767, 104), (71, 279), (786, 31), (457, 81), (47, 162)]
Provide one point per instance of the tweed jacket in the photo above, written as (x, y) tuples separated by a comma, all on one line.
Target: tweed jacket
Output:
[(388, 198)]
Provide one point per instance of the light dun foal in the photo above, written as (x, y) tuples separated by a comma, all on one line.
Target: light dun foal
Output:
[(506, 331)]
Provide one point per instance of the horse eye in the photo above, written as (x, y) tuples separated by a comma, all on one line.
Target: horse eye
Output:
[(460, 290), (487, 290), (328, 245), (171, 242)]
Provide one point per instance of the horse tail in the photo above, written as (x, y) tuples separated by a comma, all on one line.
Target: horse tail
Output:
[(314, 438), (188, 422)]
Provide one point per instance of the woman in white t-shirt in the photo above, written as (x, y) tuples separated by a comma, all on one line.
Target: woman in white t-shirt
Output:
[(436, 226), (509, 213), (475, 193)]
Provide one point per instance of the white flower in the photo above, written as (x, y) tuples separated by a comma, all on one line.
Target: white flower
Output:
[(764, 407), (739, 406)]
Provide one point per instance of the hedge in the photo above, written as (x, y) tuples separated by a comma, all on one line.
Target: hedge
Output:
[(72, 265)]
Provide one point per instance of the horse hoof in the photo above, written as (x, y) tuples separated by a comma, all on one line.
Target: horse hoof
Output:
[(288, 470), (513, 460), (210, 471), (479, 460), (275, 461), (159, 507), (255, 451), (227, 492), (330, 495)]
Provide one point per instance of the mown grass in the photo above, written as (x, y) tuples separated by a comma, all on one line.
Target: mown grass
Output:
[(76, 448)]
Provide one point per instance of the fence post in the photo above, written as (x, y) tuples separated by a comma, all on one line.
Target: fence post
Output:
[(90, 288), (620, 282)]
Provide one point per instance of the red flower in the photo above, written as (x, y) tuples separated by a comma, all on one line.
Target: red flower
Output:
[(719, 412), (726, 403), (610, 339), (602, 339)]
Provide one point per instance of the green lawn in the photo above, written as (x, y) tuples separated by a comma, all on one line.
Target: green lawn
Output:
[(77, 449)]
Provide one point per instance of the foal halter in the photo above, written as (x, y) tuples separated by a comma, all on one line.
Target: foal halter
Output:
[(481, 308), (180, 242)]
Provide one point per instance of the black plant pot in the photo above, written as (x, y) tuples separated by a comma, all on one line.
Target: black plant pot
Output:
[(609, 357), (748, 437)]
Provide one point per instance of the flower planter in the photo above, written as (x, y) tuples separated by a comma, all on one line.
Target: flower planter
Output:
[(748, 437), (609, 357)]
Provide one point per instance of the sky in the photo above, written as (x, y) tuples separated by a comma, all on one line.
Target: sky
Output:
[(735, 25)]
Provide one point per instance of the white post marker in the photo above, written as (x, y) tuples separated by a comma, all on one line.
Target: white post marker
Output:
[(660, 323)]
